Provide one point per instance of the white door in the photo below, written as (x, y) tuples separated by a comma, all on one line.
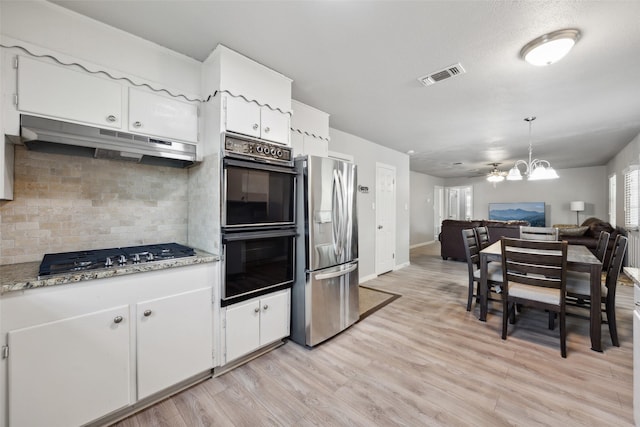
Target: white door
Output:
[(71, 371), (174, 339), (274, 317), (385, 217), (242, 329), (438, 210)]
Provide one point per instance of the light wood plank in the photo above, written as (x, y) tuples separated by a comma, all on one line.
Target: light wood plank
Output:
[(425, 360)]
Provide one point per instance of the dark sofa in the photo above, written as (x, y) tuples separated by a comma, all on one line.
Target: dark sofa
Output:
[(591, 229), (451, 244)]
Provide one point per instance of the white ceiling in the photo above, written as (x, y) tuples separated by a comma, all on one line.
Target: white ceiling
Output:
[(360, 60)]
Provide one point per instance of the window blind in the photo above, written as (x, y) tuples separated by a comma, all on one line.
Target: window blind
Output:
[(612, 200), (631, 196)]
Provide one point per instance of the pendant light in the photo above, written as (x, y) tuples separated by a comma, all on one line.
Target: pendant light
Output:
[(495, 175), (534, 169)]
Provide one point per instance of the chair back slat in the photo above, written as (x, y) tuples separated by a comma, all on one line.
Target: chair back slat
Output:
[(615, 263), (603, 242), (538, 233), (471, 248), (535, 263), (482, 236)]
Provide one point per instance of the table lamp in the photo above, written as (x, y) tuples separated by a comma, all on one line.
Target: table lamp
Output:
[(577, 207)]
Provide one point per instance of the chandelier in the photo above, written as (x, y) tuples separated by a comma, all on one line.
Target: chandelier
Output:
[(495, 175), (534, 169)]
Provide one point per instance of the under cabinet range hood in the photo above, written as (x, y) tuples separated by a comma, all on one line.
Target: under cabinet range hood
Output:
[(58, 137)]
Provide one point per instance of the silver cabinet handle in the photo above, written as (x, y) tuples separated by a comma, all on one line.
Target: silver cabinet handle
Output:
[(265, 306), (137, 124), (147, 313), (255, 126), (111, 118), (257, 309), (267, 129), (118, 319)]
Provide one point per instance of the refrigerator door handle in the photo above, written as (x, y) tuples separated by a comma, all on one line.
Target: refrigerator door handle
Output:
[(324, 276)]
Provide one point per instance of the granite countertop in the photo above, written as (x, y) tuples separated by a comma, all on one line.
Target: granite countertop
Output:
[(18, 277), (633, 273)]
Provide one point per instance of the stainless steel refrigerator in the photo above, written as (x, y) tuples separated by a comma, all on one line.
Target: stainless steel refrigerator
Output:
[(325, 293)]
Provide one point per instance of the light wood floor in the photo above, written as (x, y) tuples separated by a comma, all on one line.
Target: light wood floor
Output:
[(423, 360)]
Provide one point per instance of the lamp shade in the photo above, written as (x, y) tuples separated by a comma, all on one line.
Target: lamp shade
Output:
[(577, 206)]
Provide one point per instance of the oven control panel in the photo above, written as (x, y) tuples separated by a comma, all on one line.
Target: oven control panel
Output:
[(257, 150)]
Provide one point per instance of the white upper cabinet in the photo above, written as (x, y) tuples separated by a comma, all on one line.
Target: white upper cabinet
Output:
[(65, 93), (309, 120), (309, 130), (162, 116), (70, 94), (256, 100), (248, 118)]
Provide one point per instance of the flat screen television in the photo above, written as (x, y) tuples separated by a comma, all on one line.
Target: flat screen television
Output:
[(524, 211)]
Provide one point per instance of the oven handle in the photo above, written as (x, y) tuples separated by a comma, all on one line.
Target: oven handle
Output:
[(323, 276), (258, 166), (234, 237)]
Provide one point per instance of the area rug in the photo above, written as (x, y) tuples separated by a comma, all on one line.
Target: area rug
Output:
[(372, 300)]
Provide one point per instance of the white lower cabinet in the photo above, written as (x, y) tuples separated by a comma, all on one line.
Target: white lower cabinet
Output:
[(174, 339), (71, 371), (73, 354), (255, 323)]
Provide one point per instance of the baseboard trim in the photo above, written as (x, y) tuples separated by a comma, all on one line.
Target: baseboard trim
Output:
[(417, 245), (367, 278), (403, 265)]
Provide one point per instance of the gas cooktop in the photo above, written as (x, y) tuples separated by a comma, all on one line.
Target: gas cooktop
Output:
[(66, 262)]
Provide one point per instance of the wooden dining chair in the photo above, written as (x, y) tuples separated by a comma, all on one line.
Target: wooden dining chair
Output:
[(534, 274), (482, 235), (494, 269), (538, 233), (579, 287)]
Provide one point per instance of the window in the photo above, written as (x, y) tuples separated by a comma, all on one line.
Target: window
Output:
[(631, 180), (612, 200)]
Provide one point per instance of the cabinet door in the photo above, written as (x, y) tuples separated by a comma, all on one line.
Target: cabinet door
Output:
[(274, 317), (242, 116), (66, 93), (71, 371), (154, 114), (242, 329), (174, 340), (275, 125)]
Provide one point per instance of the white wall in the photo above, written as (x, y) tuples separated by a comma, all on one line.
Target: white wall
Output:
[(587, 184), (629, 155), (422, 213), (366, 154)]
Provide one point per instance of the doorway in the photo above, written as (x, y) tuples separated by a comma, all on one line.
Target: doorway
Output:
[(385, 218)]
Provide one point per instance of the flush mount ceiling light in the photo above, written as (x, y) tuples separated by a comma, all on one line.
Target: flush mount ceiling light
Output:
[(495, 175), (549, 48), (534, 169)]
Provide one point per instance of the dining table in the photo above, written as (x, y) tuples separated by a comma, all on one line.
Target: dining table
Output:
[(579, 258)]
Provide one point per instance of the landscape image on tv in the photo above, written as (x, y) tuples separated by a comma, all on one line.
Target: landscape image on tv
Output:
[(525, 211)]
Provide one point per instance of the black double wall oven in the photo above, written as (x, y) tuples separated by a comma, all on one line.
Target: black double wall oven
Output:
[(257, 218)]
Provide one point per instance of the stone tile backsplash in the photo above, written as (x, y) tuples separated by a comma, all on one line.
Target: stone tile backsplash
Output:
[(68, 203)]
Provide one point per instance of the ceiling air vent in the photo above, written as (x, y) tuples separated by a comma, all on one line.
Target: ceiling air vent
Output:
[(437, 76)]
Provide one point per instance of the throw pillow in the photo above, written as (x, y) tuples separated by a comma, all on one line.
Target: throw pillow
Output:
[(576, 231)]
